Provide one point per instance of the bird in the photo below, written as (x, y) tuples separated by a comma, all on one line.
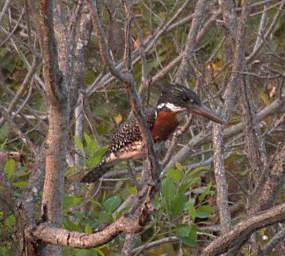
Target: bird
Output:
[(127, 142)]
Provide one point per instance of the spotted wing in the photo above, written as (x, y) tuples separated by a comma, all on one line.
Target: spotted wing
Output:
[(126, 143)]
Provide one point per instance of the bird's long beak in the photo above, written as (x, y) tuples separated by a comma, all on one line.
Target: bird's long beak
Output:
[(206, 112)]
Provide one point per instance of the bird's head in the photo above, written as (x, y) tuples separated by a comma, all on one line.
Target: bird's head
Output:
[(177, 98)]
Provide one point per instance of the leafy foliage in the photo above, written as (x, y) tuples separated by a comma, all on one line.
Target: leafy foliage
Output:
[(186, 200)]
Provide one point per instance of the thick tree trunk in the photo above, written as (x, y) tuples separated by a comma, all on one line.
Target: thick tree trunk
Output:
[(55, 165)]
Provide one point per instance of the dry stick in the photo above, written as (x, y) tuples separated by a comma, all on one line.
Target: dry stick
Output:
[(149, 42), (77, 82), (129, 223), (139, 249), (78, 133), (253, 144), (18, 131), (13, 30), (21, 90), (33, 115), (255, 150), (129, 244), (184, 69), (261, 28), (6, 4), (268, 187), (164, 71), (240, 233), (276, 239), (219, 169), (265, 195), (256, 50), (25, 214)]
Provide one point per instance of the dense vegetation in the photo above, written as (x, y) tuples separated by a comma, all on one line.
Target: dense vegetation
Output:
[(215, 177)]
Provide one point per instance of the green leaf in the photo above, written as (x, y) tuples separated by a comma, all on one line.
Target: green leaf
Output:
[(88, 229), (68, 224), (196, 171), (87, 138), (105, 217), (187, 234), (112, 203), (132, 190), (91, 145), (4, 131), (10, 220), (179, 166), (191, 209), (177, 204), (71, 201), (20, 184), (78, 144), (204, 211), (191, 182), (168, 189), (9, 168), (183, 230), (205, 192), (175, 174), (97, 157), (156, 202)]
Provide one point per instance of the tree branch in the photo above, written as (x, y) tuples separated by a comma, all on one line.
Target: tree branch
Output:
[(241, 232), (131, 222), (52, 74), (183, 71)]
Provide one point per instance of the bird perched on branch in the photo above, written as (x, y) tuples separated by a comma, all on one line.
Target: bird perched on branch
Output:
[(127, 141)]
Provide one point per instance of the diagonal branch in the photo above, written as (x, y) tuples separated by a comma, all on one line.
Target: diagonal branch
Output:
[(131, 222), (184, 68), (241, 232), (26, 140)]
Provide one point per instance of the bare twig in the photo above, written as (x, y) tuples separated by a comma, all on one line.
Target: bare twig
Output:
[(277, 238), (240, 233)]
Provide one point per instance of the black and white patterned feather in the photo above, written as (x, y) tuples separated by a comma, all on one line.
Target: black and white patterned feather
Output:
[(126, 143)]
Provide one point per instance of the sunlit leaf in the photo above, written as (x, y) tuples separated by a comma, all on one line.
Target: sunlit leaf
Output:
[(175, 174), (9, 168), (118, 118), (78, 144), (88, 229), (20, 184)]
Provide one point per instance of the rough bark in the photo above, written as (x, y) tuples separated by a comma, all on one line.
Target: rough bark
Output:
[(241, 232), (57, 138)]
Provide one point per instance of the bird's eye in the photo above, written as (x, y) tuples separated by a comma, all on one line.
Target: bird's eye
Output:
[(192, 100)]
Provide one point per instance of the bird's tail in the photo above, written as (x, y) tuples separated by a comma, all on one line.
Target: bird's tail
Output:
[(96, 173)]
